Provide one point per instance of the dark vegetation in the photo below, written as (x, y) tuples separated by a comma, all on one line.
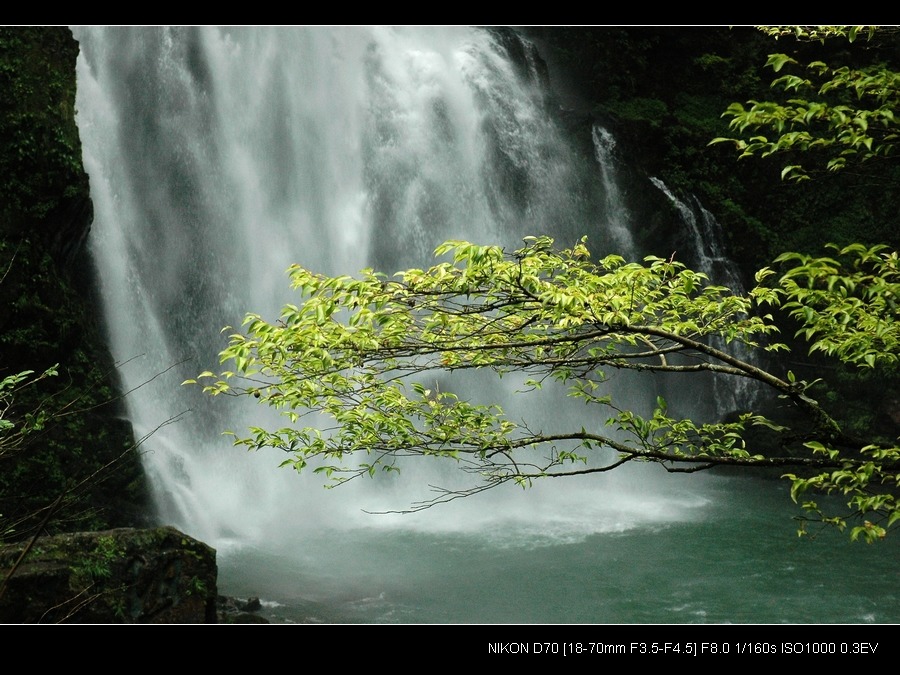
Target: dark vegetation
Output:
[(69, 462), (663, 91)]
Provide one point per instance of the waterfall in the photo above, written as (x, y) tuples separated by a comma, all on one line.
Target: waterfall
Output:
[(617, 216), (219, 156), (705, 246), (704, 251)]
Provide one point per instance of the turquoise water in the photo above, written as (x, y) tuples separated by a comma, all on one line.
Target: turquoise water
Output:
[(736, 559)]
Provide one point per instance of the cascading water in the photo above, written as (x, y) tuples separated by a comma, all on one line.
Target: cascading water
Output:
[(704, 251), (617, 217), (219, 156)]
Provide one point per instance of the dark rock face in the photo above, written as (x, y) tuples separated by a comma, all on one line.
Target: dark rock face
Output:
[(83, 450), (126, 575)]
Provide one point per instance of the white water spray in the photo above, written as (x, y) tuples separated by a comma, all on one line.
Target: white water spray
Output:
[(617, 215), (220, 156)]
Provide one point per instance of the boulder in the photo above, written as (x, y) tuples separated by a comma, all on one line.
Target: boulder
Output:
[(125, 575)]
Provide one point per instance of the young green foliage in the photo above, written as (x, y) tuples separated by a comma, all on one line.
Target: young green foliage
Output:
[(358, 352), (16, 427), (830, 116)]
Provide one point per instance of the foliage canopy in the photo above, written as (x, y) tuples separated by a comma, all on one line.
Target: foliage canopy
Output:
[(362, 351), (834, 115)]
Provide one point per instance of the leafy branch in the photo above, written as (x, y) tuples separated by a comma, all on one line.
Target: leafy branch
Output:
[(358, 353)]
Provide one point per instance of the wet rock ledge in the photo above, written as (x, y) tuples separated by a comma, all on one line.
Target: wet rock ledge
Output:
[(126, 575)]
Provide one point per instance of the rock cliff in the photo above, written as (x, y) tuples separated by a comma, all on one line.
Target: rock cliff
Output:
[(68, 460)]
